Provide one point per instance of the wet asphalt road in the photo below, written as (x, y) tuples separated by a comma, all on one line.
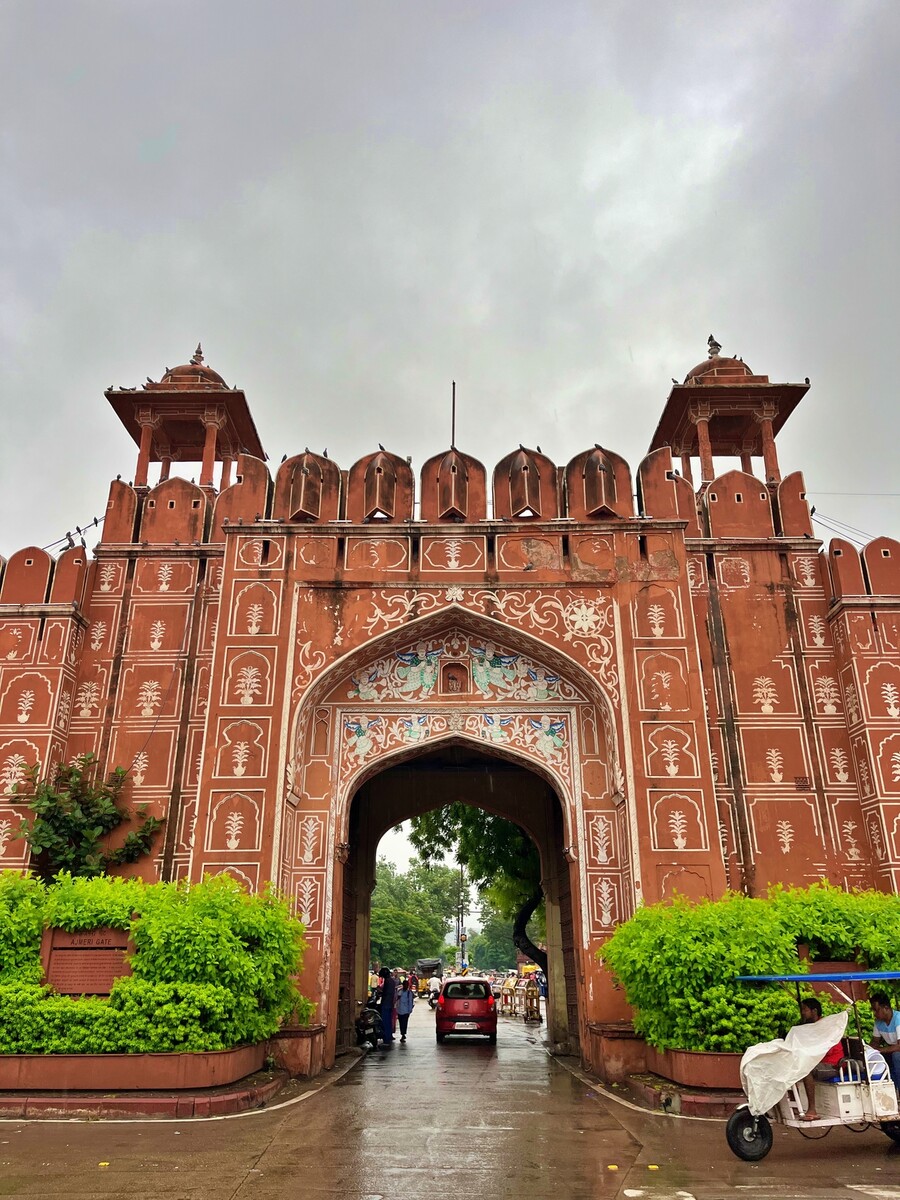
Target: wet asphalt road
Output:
[(459, 1120)]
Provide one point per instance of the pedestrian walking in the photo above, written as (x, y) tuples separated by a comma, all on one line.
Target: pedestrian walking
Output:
[(405, 1002), (388, 996)]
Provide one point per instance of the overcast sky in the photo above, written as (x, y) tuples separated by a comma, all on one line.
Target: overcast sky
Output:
[(351, 204)]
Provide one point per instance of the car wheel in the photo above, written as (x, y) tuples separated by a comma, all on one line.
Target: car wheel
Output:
[(492, 1038), (891, 1129), (749, 1137), (439, 1036)]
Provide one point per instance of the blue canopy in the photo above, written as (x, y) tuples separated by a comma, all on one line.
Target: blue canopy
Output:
[(830, 977)]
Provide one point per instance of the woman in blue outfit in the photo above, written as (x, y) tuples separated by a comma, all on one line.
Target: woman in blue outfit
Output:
[(386, 1005), (405, 1002)]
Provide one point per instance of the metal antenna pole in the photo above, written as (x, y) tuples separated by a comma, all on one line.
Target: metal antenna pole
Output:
[(453, 418)]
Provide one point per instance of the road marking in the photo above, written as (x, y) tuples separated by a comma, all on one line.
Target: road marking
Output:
[(881, 1193)]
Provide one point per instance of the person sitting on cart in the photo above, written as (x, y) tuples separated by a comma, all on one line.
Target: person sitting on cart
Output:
[(887, 1032), (810, 1012)]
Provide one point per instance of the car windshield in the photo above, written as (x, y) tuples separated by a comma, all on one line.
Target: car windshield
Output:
[(467, 989)]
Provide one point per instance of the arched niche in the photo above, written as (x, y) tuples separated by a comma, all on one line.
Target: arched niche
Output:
[(665, 494), (247, 498), (881, 561), (380, 488), (739, 506), (525, 487), (174, 511), (308, 489), (598, 485), (453, 488), (121, 514), (793, 509), (69, 576), (846, 569), (26, 579)]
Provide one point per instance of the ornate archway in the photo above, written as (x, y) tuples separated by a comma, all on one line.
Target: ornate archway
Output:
[(452, 678)]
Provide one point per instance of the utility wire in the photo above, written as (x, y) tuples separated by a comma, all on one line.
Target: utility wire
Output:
[(95, 522), (844, 525)]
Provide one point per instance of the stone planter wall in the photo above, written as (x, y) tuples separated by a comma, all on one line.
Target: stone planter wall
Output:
[(615, 1051), (696, 1068), (299, 1050), (128, 1072)]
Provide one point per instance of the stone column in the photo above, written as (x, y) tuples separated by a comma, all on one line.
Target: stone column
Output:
[(227, 464), (213, 420), (704, 448), (770, 457), (686, 470), (746, 463), (148, 422)]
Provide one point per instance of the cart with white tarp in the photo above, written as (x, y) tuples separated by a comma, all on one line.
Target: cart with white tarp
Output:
[(860, 1095)]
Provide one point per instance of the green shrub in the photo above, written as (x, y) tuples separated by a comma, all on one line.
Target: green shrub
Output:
[(22, 900), (677, 961), (212, 966), (76, 903)]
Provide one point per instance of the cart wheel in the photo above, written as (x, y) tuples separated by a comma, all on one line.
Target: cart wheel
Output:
[(749, 1137), (892, 1129)]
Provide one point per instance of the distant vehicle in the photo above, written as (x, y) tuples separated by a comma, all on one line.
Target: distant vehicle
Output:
[(466, 1006), (425, 968)]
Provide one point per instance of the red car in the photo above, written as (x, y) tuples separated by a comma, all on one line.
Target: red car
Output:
[(466, 1006)]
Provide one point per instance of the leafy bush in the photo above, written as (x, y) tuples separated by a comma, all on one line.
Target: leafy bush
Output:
[(211, 969), (75, 903), (22, 900), (677, 961)]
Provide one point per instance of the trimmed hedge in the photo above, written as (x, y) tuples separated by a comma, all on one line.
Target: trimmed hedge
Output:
[(212, 966), (677, 961)]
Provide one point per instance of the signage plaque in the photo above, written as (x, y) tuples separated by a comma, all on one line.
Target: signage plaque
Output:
[(86, 963)]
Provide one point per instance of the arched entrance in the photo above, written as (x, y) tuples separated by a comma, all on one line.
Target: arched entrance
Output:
[(460, 770), (457, 678)]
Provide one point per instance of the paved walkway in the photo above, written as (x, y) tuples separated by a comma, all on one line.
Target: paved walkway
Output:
[(457, 1121)]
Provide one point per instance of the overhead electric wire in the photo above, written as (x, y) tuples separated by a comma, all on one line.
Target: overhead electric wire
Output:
[(839, 532), (844, 525), (80, 530)]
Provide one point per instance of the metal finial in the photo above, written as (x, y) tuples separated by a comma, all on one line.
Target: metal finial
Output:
[(197, 360), (714, 346)]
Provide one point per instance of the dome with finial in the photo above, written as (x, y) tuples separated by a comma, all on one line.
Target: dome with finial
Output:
[(716, 369), (194, 374)]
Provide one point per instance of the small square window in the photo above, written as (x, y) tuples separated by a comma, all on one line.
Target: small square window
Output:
[(739, 499), (838, 553), (885, 554), (195, 504), (171, 504), (29, 562), (151, 504), (713, 497)]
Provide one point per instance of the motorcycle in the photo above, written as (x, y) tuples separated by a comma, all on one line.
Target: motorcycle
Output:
[(433, 998), (368, 1025)]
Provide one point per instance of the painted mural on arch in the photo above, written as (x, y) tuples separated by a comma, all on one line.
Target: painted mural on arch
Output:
[(709, 695)]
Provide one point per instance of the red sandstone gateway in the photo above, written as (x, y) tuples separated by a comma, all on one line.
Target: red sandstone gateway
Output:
[(466, 1006)]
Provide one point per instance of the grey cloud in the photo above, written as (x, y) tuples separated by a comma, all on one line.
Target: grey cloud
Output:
[(353, 204)]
